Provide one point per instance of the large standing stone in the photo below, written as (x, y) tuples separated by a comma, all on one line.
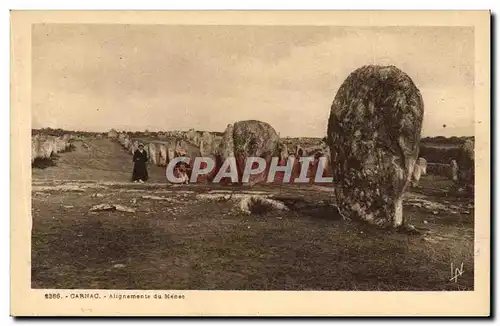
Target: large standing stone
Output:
[(47, 147), (314, 166), (170, 153), (419, 170), (226, 146), (417, 173), (152, 153), (192, 136), (133, 146), (181, 148), (60, 144), (454, 171), (282, 161), (466, 164), (250, 138), (255, 138), (283, 149), (122, 138), (374, 135), (422, 162), (206, 143), (299, 152), (35, 147), (126, 142), (163, 157)]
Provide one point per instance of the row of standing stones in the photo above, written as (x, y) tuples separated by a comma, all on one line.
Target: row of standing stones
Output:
[(373, 140), (45, 146)]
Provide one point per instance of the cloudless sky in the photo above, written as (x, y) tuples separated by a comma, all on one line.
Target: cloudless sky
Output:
[(160, 77)]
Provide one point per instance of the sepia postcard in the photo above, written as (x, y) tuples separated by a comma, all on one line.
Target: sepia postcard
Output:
[(250, 163)]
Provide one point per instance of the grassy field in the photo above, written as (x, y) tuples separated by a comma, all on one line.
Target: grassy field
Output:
[(183, 239)]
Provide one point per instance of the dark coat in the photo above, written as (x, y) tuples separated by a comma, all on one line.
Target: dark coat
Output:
[(140, 170)]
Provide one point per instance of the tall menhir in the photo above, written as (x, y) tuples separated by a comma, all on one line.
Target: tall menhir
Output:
[(374, 135)]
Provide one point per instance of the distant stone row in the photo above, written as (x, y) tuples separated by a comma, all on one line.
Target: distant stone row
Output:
[(44, 146), (159, 152), (460, 169)]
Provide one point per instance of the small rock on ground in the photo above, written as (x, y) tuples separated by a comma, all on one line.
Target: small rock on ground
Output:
[(111, 207)]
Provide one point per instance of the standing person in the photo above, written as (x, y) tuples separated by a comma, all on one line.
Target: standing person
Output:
[(140, 173)]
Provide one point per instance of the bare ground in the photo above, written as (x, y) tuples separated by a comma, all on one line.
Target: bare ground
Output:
[(180, 238)]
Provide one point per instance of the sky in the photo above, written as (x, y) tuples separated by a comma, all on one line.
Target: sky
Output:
[(173, 77)]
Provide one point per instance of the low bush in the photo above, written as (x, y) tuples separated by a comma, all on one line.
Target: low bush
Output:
[(43, 163)]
